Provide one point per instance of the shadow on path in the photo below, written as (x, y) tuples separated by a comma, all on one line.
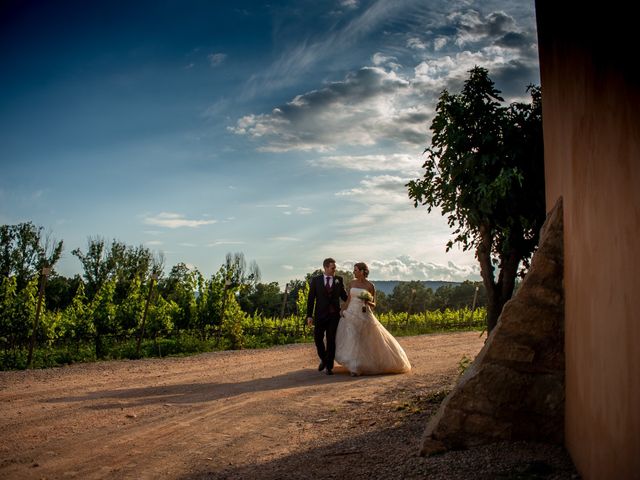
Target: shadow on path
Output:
[(200, 392), (391, 453)]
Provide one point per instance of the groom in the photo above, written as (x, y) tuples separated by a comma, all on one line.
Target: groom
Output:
[(325, 292)]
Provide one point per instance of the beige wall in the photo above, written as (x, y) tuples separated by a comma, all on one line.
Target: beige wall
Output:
[(591, 116)]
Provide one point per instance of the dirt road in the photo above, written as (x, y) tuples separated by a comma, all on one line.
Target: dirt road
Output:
[(241, 414)]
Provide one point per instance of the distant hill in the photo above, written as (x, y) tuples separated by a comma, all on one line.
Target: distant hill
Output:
[(387, 286)]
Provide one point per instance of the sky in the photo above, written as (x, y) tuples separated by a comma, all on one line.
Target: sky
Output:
[(284, 130)]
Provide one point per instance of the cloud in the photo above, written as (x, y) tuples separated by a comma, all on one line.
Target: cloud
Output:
[(405, 266), (380, 59), (216, 59), (387, 104), (349, 3), (386, 189), (439, 43), (224, 242), (285, 239), (396, 162), (416, 43), (287, 208), (513, 40), (175, 220), (360, 110), (506, 67), (472, 27), (301, 57)]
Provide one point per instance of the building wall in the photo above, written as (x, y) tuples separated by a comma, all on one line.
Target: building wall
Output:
[(591, 120)]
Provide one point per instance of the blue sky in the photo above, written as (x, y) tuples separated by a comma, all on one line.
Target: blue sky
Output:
[(285, 130)]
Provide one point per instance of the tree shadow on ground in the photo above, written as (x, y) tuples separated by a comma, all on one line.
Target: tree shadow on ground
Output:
[(389, 451), (202, 392)]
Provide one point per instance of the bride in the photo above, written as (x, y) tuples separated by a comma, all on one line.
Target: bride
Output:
[(363, 345)]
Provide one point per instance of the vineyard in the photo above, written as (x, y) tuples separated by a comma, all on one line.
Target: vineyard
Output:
[(124, 306), (135, 328)]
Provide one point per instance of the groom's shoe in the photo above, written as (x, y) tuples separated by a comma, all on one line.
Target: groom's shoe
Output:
[(329, 371), (321, 366)]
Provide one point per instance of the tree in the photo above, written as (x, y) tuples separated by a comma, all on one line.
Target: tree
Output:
[(302, 296), (103, 312), (180, 288), (61, 291), (25, 251), (264, 298), (236, 274), (78, 318), (296, 286), (116, 260), (410, 297), (382, 302), (208, 303), (98, 264), (484, 170), (459, 296)]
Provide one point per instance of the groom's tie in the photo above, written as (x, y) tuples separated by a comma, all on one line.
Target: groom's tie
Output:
[(328, 285)]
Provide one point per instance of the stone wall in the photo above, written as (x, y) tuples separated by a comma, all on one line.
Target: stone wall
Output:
[(514, 389)]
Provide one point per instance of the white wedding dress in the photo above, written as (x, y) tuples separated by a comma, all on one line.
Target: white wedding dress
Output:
[(364, 346)]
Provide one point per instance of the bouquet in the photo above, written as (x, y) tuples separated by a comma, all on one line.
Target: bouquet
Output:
[(365, 297)]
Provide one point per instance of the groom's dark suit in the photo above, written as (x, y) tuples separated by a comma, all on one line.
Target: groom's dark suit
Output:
[(324, 306)]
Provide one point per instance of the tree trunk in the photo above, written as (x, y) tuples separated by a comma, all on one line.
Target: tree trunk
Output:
[(497, 293), (508, 271), (99, 346), (486, 271)]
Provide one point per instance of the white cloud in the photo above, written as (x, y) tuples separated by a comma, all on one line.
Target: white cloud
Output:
[(224, 242), (381, 60), (404, 266), (385, 189), (175, 220), (439, 43), (363, 109), (385, 104), (397, 162), (416, 43)]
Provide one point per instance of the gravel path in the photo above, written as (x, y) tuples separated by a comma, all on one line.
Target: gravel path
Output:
[(264, 414)]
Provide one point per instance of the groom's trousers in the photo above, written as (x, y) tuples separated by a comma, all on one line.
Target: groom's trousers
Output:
[(326, 327)]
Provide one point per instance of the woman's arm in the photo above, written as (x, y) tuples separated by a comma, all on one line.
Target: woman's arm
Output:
[(372, 291)]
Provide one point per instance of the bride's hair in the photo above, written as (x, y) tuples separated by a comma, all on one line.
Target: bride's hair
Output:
[(363, 268)]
